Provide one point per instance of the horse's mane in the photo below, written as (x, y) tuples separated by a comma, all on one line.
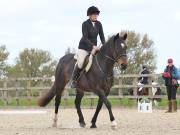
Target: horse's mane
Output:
[(107, 45)]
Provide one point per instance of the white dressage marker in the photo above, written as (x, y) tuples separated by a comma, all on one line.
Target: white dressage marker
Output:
[(22, 112)]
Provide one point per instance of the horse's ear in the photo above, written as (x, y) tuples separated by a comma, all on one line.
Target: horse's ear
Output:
[(124, 36), (116, 37)]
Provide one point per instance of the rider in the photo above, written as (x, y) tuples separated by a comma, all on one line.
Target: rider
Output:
[(144, 80), (88, 43)]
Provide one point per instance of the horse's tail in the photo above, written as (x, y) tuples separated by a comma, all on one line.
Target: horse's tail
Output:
[(43, 101)]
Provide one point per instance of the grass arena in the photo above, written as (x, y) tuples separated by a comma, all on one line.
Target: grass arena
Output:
[(130, 122)]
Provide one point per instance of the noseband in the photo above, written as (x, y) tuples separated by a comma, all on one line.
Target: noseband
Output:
[(113, 59)]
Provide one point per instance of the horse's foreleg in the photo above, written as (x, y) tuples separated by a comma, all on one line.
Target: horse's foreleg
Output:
[(98, 108), (79, 96), (103, 97)]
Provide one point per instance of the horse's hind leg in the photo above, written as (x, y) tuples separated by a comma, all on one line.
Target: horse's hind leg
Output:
[(79, 96), (57, 103), (59, 90)]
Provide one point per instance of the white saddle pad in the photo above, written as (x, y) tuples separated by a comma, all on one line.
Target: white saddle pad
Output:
[(88, 66), (76, 56)]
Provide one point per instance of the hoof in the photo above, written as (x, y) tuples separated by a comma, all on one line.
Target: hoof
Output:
[(82, 124), (114, 124), (93, 126), (55, 121)]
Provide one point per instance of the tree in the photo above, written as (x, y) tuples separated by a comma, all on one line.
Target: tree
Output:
[(140, 52), (70, 50), (15, 71), (3, 61), (33, 63)]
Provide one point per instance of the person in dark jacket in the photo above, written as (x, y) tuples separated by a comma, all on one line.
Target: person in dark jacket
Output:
[(91, 28), (170, 76), (144, 80)]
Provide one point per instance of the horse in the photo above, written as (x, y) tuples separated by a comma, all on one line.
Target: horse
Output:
[(144, 91), (99, 79)]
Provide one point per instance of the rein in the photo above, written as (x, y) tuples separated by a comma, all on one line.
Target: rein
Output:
[(109, 58), (108, 77)]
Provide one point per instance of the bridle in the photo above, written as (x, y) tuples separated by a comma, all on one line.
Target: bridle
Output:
[(109, 58), (112, 59)]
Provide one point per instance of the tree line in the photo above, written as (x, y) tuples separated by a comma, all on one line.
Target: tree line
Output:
[(29, 63), (40, 63)]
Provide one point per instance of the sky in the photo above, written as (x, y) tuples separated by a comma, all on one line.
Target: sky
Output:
[(54, 25)]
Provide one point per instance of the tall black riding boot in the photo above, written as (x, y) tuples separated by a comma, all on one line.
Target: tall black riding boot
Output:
[(174, 106), (75, 77), (169, 107)]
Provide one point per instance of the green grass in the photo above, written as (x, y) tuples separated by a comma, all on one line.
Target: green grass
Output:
[(163, 103), (69, 102), (1, 103), (85, 102), (127, 102)]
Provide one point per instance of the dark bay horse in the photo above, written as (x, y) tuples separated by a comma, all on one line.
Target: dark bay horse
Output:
[(99, 79)]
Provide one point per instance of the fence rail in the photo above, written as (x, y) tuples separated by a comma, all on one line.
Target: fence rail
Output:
[(29, 88)]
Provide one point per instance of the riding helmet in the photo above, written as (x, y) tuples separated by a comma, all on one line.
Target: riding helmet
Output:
[(144, 67), (170, 60), (92, 10)]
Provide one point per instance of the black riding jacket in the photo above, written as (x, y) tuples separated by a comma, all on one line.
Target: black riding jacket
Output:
[(89, 35), (144, 80)]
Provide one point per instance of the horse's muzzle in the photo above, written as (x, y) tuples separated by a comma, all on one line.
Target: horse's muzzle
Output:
[(123, 62), (123, 66)]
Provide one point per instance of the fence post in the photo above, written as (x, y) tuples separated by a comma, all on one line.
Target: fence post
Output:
[(66, 96), (120, 93), (29, 94), (150, 88), (17, 92), (91, 100), (135, 87), (5, 94)]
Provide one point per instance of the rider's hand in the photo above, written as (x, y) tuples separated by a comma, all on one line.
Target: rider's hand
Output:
[(96, 48)]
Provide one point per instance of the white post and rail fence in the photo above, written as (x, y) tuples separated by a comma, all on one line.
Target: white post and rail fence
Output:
[(33, 88)]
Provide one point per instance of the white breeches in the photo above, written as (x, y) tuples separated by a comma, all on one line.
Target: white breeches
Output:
[(81, 55)]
